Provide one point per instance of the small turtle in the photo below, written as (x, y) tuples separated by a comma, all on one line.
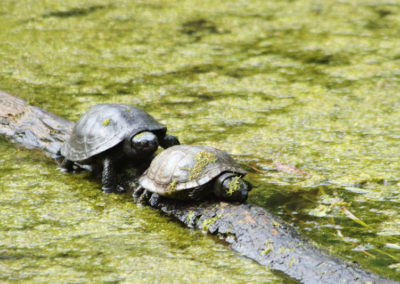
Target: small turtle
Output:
[(192, 172), (110, 133)]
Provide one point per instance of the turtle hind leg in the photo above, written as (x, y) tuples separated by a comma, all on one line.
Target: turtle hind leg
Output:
[(67, 165)]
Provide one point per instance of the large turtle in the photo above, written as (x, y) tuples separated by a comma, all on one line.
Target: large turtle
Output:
[(192, 172), (109, 133)]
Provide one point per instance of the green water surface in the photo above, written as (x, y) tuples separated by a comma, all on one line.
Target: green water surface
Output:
[(310, 84)]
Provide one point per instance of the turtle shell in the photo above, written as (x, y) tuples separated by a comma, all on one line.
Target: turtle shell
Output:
[(182, 168), (104, 126)]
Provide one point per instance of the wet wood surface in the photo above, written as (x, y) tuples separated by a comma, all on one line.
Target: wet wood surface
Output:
[(249, 229)]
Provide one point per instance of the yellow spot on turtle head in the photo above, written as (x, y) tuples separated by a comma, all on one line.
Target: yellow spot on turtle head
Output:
[(106, 122)]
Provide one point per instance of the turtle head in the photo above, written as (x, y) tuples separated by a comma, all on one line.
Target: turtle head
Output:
[(231, 187), (143, 144)]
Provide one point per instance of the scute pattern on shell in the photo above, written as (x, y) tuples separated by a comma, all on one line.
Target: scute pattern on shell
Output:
[(173, 166), (105, 125)]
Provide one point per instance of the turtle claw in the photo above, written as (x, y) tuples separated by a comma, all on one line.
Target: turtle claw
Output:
[(144, 198), (107, 189), (137, 192), (141, 195), (113, 189), (120, 189)]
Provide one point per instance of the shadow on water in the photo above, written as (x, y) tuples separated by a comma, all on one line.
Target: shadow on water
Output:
[(198, 26), (74, 12)]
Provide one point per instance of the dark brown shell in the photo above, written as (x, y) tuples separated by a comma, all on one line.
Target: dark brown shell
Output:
[(104, 126), (171, 172)]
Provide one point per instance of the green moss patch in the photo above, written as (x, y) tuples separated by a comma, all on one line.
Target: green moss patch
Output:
[(208, 222), (234, 185), (172, 185), (106, 122), (202, 158)]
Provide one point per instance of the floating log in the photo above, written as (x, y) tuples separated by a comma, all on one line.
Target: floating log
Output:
[(250, 230)]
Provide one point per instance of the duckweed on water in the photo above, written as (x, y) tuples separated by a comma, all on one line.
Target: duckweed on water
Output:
[(58, 227), (313, 85)]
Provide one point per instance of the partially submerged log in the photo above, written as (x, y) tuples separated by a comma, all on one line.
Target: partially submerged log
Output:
[(251, 230)]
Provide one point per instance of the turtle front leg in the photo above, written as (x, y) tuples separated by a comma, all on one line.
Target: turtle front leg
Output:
[(169, 141), (141, 195), (109, 177), (137, 192), (67, 165)]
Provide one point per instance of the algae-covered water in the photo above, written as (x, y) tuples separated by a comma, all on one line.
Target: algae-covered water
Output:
[(304, 94)]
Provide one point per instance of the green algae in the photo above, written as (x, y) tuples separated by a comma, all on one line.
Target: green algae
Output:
[(234, 185), (190, 217), (206, 223), (292, 261), (203, 159), (269, 245), (58, 227), (312, 85), (172, 185), (106, 122)]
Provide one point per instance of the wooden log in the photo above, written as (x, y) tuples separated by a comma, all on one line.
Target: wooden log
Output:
[(251, 230)]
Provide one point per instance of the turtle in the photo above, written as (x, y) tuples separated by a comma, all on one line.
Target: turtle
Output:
[(192, 172), (107, 134)]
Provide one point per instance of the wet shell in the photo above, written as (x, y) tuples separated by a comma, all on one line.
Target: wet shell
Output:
[(104, 126), (182, 168)]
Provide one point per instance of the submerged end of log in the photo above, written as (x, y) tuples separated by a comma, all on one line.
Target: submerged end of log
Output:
[(249, 229)]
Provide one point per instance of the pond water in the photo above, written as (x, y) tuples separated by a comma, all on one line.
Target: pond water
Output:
[(309, 84)]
